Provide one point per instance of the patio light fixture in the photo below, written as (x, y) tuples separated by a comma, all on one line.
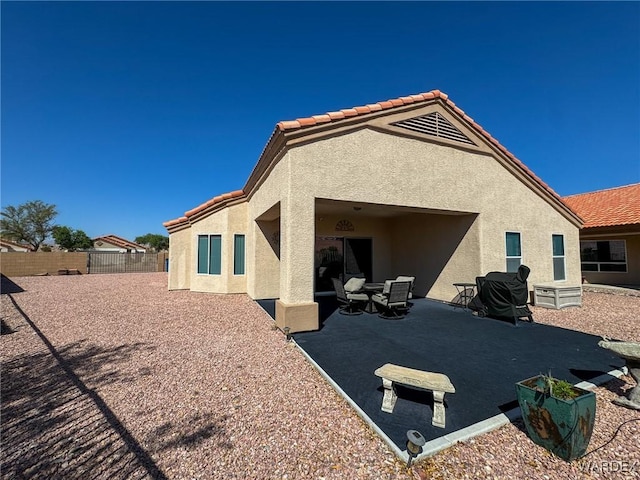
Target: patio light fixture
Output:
[(415, 442)]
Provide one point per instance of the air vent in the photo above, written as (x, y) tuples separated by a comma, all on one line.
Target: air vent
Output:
[(436, 125)]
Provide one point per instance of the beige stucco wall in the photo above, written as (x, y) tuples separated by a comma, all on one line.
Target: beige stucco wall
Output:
[(180, 264), (226, 223), (369, 166)]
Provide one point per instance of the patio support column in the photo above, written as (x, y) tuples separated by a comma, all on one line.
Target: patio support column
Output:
[(296, 308)]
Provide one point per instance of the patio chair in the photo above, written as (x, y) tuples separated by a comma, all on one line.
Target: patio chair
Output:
[(348, 302), (393, 304), (402, 278)]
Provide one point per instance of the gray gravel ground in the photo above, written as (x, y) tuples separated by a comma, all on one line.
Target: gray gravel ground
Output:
[(113, 376)]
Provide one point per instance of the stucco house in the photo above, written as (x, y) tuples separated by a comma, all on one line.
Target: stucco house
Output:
[(9, 246), (409, 186), (610, 237), (114, 243)]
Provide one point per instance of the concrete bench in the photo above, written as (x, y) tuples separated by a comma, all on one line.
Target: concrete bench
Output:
[(437, 383)]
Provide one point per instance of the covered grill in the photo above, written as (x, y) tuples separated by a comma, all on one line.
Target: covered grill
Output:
[(503, 295)]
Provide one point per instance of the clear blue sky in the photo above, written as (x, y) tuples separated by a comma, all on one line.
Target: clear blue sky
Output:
[(127, 114)]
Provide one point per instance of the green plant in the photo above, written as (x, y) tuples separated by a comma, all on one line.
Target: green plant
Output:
[(559, 388)]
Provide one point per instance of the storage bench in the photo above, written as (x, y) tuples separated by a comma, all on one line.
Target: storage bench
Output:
[(557, 296)]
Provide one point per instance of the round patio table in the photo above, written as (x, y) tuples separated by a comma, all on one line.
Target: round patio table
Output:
[(371, 289)]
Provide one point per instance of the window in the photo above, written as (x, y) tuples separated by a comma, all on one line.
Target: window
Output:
[(210, 254), (603, 256), (514, 251), (558, 257), (238, 255)]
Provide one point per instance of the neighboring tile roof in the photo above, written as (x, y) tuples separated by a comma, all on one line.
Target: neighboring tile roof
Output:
[(345, 114), (9, 243), (118, 241), (608, 208)]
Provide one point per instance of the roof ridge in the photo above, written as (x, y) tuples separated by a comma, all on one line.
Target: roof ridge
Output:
[(359, 110)]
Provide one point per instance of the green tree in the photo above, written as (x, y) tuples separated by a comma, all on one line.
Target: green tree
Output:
[(71, 239), (31, 222), (156, 241)]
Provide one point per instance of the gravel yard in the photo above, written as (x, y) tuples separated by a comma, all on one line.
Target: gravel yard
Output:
[(113, 376)]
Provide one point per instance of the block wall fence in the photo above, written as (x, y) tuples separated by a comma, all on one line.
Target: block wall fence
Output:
[(24, 264)]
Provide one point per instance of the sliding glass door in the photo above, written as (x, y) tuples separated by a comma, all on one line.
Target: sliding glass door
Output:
[(338, 257)]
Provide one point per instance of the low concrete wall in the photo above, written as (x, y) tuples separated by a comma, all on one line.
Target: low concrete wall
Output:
[(20, 264)]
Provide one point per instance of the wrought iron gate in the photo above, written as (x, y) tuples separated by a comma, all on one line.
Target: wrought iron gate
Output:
[(117, 262)]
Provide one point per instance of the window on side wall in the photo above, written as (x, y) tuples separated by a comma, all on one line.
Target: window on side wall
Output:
[(558, 257), (514, 251), (209, 254), (603, 256), (238, 255)]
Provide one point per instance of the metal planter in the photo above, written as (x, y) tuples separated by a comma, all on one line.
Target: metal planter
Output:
[(563, 427)]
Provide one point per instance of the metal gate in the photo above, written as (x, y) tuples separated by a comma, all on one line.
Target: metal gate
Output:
[(117, 262)]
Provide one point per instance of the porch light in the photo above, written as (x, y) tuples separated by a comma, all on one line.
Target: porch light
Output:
[(287, 333), (415, 442)]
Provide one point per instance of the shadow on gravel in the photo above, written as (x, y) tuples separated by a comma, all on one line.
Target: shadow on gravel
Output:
[(54, 426), (9, 286)]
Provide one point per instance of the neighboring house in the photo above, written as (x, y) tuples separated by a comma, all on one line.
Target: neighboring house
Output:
[(410, 186), (113, 243), (9, 246), (610, 236)]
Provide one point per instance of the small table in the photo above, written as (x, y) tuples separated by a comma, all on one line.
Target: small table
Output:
[(371, 289), (466, 291)]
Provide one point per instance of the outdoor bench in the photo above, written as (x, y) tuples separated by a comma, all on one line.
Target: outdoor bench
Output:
[(437, 383)]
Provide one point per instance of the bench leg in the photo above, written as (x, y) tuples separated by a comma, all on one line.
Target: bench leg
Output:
[(390, 397), (438, 419)]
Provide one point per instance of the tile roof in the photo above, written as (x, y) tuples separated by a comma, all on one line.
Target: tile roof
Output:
[(361, 111), (301, 123), (608, 208), (118, 241)]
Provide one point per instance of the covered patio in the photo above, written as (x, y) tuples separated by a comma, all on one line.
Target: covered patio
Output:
[(483, 357)]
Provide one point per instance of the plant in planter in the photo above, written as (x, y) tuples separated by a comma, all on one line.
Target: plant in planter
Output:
[(557, 415)]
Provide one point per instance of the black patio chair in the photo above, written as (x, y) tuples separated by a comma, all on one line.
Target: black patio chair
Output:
[(349, 303), (394, 305)]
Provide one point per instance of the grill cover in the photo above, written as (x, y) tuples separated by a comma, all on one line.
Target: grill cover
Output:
[(503, 295)]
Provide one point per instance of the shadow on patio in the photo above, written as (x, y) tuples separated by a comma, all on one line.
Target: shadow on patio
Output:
[(483, 357)]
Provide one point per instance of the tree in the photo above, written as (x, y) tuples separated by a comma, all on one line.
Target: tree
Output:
[(30, 222), (71, 239), (156, 241)]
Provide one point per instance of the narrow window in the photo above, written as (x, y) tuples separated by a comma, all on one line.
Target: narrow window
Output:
[(203, 253), (238, 255), (215, 255), (558, 257), (514, 251)]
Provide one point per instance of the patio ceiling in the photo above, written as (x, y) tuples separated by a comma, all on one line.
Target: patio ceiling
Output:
[(341, 208)]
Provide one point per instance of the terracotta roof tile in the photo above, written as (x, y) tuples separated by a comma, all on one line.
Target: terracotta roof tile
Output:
[(215, 200), (177, 221), (608, 208)]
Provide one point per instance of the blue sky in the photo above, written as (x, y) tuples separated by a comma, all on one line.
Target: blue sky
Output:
[(127, 114)]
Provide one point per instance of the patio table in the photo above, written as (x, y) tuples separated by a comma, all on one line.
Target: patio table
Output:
[(370, 289), (466, 292)]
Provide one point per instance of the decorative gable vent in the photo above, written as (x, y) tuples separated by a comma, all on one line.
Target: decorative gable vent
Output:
[(436, 125)]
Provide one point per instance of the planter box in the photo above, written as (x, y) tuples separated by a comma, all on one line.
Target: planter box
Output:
[(563, 427), (557, 296)]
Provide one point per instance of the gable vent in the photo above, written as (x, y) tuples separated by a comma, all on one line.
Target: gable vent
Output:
[(436, 125)]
